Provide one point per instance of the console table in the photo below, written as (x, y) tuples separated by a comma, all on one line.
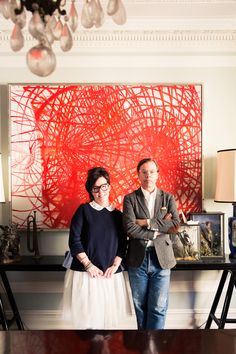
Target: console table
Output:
[(54, 263), (25, 264), (228, 266)]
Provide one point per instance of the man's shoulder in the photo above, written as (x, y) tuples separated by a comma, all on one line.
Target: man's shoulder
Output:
[(133, 194), (164, 193)]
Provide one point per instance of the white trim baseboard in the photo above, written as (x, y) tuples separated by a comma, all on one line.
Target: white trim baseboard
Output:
[(176, 319)]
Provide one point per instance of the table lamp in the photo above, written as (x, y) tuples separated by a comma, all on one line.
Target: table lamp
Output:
[(226, 190), (2, 194)]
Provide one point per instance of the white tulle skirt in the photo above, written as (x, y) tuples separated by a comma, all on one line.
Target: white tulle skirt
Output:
[(98, 303)]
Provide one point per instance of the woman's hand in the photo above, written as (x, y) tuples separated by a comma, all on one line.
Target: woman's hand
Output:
[(94, 271), (111, 270)]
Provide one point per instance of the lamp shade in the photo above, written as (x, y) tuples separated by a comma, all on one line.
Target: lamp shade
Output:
[(2, 195), (226, 176)]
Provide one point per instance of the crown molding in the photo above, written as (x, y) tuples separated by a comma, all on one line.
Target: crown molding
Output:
[(150, 41), (198, 27)]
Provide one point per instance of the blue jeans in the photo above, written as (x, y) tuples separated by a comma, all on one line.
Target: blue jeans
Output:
[(150, 290)]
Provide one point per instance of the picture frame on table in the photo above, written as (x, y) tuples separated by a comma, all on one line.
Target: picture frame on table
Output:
[(186, 243), (211, 233)]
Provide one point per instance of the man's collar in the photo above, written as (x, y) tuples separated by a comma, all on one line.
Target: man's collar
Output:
[(146, 193)]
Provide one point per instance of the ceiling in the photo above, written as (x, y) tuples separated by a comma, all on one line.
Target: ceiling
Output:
[(181, 14), (155, 26)]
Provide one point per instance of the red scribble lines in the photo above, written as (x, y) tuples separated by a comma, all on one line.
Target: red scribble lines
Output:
[(59, 132)]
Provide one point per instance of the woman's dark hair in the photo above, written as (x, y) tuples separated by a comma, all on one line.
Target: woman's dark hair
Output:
[(143, 161), (92, 176)]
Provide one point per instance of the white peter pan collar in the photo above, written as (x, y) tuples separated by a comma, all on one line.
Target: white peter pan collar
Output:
[(97, 206)]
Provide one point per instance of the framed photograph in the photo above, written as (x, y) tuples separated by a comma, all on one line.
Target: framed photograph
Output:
[(186, 243), (211, 233)]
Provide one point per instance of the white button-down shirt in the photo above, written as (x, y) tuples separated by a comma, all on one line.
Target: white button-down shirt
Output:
[(150, 199)]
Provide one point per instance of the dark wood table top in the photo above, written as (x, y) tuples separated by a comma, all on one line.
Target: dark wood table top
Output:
[(29, 263), (54, 263), (119, 342)]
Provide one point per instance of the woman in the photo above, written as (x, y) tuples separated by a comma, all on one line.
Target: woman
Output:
[(96, 291)]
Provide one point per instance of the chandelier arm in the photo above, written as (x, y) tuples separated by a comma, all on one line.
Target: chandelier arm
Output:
[(45, 7), (18, 11)]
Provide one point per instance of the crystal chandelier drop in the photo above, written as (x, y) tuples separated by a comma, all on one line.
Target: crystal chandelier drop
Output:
[(50, 22)]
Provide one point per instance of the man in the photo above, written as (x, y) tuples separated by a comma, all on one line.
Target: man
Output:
[(149, 215)]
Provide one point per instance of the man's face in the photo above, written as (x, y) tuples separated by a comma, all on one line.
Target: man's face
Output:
[(148, 175)]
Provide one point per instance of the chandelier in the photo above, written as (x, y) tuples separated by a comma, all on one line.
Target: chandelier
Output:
[(50, 22)]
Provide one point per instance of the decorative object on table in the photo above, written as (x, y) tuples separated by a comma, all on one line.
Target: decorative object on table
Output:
[(51, 153), (211, 233), (186, 243), (52, 21), (32, 232), (226, 190), (9, 244)]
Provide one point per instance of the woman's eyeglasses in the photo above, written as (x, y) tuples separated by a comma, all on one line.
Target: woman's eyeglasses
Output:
[(104, 187)]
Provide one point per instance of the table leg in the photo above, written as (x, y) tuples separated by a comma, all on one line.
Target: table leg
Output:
[(11, 299), (3, 318), (228, 297), (216, 299)]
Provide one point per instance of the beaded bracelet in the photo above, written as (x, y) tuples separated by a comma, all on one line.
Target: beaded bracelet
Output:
[(89, 265), (81, 260)]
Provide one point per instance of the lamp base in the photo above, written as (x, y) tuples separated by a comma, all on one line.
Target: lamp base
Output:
[(232, 236)]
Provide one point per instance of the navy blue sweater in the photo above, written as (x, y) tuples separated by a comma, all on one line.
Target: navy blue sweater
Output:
[(98, 233)]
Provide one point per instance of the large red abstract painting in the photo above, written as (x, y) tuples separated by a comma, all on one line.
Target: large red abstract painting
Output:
[(58, 132)]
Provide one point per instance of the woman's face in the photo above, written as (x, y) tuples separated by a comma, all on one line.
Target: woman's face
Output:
[(101, 191)]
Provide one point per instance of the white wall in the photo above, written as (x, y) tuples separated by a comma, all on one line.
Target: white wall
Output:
[(39, 295)]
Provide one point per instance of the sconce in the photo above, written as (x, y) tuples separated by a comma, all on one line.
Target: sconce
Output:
[(226, 190)]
